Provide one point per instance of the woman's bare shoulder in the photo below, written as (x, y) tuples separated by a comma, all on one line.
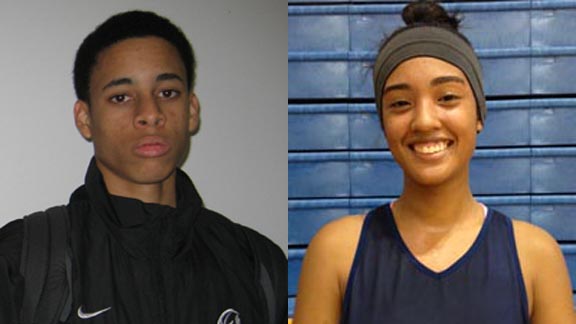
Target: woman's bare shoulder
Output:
[(535, 246), (340, 232), (336, 241), (545, 274), (325, 269), (534, 239)]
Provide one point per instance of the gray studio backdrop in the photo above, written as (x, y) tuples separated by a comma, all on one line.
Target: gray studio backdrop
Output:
[(237, 160)]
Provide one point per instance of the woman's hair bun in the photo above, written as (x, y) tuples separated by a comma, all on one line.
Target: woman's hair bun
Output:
[(428, 12)]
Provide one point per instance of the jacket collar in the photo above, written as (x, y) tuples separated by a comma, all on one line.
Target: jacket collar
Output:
[(164, 228)]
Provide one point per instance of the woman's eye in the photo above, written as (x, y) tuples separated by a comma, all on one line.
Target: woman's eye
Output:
[(448, 98), (399, 104)]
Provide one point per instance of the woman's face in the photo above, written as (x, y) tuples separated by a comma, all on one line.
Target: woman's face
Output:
[(430, 121)]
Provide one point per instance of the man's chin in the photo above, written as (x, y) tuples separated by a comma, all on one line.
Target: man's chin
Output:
[(153, 175)]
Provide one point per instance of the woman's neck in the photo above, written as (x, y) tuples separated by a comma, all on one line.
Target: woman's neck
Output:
[(442, 205)]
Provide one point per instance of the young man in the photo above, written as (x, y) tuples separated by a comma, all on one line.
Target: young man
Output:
[(142, 247)]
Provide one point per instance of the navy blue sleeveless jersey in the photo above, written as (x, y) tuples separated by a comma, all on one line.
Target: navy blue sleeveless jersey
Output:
[(387, 284)]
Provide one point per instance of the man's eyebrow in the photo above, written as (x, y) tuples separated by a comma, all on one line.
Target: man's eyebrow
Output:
[(161, 77), (169, 76), (117, 82), (399, 86), (446, 79)]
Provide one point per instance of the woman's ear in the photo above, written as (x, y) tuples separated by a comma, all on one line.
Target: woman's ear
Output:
[(381, 119), (479, 126)]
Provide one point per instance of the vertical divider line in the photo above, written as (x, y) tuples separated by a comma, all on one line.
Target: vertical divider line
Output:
[(348, 56), (530, 110)]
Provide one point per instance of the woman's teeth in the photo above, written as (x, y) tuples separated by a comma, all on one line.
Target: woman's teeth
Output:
[(430, 148)]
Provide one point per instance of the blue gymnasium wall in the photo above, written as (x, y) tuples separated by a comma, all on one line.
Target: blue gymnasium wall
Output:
[(338, 159)]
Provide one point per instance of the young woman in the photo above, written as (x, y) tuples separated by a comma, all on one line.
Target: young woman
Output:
[(435, 255)]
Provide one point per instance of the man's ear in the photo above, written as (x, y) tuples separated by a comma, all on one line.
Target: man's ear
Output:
[(82, 119), (194, 122)]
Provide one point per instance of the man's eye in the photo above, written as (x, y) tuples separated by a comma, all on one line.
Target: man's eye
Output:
[(119, 98), (169, 93)]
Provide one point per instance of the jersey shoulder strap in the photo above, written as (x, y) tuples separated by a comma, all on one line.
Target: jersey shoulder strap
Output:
[(46, 266)]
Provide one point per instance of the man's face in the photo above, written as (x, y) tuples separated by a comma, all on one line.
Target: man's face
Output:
[(141, 113)]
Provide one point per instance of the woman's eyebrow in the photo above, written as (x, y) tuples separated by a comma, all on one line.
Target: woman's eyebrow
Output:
[(399, 86), (446, 79)]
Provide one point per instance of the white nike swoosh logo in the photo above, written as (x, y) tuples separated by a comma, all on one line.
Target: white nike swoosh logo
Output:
[(83, 315)]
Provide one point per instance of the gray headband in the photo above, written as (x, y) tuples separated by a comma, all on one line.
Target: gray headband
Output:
[(434, 42)]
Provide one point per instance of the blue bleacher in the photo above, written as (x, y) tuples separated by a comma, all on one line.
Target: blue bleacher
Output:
[(525, 160)]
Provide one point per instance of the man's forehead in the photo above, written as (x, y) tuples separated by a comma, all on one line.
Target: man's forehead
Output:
[(140, 55), (129, 81)]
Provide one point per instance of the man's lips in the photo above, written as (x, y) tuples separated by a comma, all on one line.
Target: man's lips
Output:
[(152, 146)]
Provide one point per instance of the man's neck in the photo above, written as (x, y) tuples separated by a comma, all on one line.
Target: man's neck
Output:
[(163, 192)]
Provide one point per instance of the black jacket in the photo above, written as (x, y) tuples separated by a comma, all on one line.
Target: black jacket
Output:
[(154, 264)]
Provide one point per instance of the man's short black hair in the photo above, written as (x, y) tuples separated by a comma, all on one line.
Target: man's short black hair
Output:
[(123, 26)]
